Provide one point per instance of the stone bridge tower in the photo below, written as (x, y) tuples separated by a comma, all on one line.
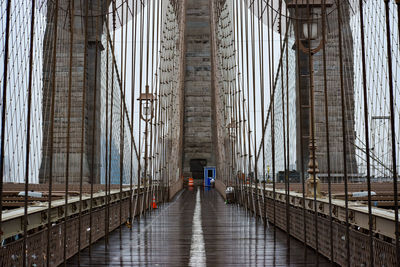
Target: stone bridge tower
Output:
[(83, 78), (198, 146), (333, 95)]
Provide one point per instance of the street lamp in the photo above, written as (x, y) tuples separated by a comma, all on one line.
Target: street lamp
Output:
[(146, 105), (146, 101), (310, 39)]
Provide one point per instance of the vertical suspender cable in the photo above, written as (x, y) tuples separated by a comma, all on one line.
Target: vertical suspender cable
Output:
[(161, 80), (84, 88), (71, 47), (139, 198), (367, 144), (283, 117), (286, 44), (245, 148), (236, 65), (242, 100), (28, 133), (107, 210), (160, 21), (121, 115), (248, 110), (111, 110), (122, 110), (146, 144), (50, 173), (153, 116), (133, 90), (272, 100), (153, 84), (312, 138), (157, 84), (133, 46), (92, 167), (237, 103), (342, 94), (326, 108), (113, 66), (253, 68), (262, 97), (298, 79), (271, 94), (133, 80), (393, 129), (4, 104)]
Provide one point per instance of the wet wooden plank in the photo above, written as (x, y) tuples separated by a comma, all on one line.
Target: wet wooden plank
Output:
[(231, 238)]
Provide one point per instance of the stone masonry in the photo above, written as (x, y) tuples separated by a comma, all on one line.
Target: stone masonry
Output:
[(91, 124), (198, 119), (334, 100), (197, 105)]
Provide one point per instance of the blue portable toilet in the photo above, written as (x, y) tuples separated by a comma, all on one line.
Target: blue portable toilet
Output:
[(209, 174)]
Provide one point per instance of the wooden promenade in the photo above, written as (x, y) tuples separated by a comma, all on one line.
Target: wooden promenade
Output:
[(231, 237)]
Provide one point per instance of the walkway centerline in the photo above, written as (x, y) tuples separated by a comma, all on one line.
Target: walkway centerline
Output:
[(197, 251)]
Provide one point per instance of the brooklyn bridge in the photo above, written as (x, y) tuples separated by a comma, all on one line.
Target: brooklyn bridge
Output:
[(199, 133)]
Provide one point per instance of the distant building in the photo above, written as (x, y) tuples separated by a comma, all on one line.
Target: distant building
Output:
[(6, 172), (115, 165)]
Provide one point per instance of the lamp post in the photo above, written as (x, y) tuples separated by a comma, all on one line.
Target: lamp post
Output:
[(308, 32), (146, 101)]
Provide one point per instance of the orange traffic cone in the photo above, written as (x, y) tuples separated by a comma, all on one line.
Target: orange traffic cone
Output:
[(154, 202)]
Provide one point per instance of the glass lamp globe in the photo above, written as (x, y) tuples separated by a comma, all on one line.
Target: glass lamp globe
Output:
[(310, 30)]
